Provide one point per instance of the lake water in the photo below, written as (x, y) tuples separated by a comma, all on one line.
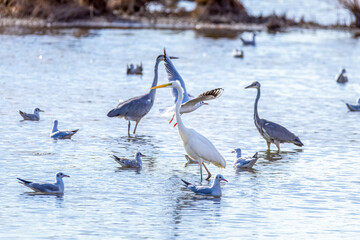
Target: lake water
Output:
[(77, 76)]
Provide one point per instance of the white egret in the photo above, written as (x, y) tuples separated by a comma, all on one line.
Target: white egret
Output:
[(196, 145)]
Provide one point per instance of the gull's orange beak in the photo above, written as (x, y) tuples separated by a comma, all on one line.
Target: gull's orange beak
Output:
[(66, 175), (225, 180), (206, 103), (162, 86)]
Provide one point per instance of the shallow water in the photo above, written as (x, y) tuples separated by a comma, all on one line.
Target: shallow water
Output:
[(77, 76)]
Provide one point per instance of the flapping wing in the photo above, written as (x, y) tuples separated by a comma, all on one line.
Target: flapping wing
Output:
[(206, 96)]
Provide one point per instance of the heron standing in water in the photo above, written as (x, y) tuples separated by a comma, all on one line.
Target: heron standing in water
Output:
[(270, 131), (196, 145), (134, 109)]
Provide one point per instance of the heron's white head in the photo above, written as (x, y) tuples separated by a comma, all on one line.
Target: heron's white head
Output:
[(60, 175), (138, 155), (37, 110), (219, 178), (255, 84)]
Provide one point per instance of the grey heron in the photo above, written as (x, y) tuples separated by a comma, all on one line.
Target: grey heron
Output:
[(242, 162), (270, 131), (134, 109), (57, 134), (342, 78), (249, 42), (214, 190), (130, 163), (35, 116), (54, 188), (354, 107)]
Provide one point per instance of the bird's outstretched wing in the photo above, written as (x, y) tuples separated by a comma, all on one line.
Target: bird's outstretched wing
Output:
[(206, 96)]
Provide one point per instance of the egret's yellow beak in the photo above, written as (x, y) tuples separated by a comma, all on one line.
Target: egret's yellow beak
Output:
[(162, 86)]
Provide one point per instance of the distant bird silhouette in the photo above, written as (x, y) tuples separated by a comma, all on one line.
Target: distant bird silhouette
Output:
[(249, 42), (354, 107), (134, 70), (342, 78), (35, 116), (270, 131), (238, 53)]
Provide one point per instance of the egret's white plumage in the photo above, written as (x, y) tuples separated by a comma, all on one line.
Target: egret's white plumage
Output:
[(196, 145), (35, 116), (57, 187)]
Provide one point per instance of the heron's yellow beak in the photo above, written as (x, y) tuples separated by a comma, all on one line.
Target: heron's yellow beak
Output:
[(162, 86)]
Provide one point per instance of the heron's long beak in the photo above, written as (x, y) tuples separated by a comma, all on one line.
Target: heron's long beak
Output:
[(66, 175), (250, 86), (173, 57), (162, 86)]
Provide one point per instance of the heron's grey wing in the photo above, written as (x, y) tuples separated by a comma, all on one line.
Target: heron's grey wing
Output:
[(45, 187), (173, 75), (136, 107), (209, 95), (277, 132)]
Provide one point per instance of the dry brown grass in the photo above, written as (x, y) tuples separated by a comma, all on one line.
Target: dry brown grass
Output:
[(352, 6), (52, 10)]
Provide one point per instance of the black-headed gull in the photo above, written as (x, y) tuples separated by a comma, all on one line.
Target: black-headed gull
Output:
[(57, 134), (130, 163), (35, 116), (247, 162), (342, 78), (57, 187), (354, 107), (214, 190)]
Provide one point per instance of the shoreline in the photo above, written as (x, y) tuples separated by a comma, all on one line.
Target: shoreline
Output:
[(158, 23)]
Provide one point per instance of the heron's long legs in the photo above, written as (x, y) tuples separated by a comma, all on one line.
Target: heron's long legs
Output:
[(268, 144), (209, 174), (200, 172), (277, 143), (129, 129), (137, 122)]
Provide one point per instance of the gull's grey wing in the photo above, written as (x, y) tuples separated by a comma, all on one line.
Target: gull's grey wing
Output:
[(45, 187), (209, 95), (173, 75), (63, 134), (28, 116), (202, 190), (277, 132)]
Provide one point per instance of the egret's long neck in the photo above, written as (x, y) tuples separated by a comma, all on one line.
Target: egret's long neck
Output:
[(155, 81), (181, 125), (54, 129), (256, 115)]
